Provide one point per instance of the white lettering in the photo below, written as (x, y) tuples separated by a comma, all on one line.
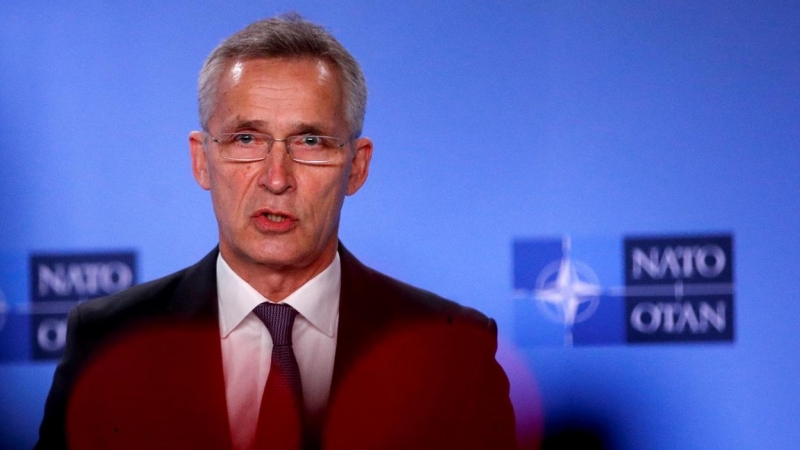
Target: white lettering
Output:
[(667, 316), (714, 317), (76, 279), (675, 318), (83, 280), (52, 334), (688, 317), (641, 261), (115, 276), (642, 310), (702, 256), (669, 260), (680, 262), (686, 256), (51, 279)]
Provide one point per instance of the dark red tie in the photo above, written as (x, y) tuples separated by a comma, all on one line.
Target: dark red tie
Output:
[(280, 419)]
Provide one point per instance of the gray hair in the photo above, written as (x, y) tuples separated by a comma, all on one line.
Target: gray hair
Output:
[(286, 36)]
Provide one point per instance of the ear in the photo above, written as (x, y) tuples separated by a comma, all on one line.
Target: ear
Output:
[(199, 160), (360, 166)]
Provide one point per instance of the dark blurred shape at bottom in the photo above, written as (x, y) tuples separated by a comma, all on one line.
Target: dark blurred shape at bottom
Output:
[(576, 434)]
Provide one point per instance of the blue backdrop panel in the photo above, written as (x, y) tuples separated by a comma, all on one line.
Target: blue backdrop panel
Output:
[(494, 123)]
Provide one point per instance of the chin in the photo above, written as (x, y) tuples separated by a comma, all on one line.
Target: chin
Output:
[(277, 258)]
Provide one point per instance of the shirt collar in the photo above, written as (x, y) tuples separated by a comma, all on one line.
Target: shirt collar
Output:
[(317, 300)]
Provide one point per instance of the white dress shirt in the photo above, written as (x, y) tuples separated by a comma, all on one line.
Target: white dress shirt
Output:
[(247, 345)]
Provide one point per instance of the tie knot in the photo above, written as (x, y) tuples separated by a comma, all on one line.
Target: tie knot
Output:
[(279, 319)]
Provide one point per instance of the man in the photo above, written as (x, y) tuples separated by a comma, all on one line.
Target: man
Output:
[(212, 356)]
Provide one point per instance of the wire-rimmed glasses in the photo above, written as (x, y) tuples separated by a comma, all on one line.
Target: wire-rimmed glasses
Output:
[(303, 148)]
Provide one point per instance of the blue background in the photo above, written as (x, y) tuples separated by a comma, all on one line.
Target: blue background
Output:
[(492, 121)]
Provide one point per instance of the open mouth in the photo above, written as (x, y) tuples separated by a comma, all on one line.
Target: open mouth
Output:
[(276, 217)]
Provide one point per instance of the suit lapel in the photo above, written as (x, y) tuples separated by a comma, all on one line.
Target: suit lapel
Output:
[(362, 315), (195, 301), (195, 297), (362, 318)]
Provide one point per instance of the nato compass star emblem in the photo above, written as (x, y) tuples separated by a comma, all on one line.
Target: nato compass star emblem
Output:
[(567, 291)]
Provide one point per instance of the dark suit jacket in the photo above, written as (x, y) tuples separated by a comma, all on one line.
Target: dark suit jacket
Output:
[(142, 369)]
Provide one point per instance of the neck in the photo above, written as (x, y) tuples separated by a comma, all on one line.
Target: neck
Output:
[(278, 282)]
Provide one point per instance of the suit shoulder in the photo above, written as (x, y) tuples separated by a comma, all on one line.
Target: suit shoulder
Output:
[(424, 303), (189, 294), (143, 299)]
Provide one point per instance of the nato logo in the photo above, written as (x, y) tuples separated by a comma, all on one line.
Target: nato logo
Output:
[(559, 293), (679, 288), (60, 281), (606, 292)]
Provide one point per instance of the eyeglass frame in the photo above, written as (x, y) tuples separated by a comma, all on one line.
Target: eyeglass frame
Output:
[(272, 140)]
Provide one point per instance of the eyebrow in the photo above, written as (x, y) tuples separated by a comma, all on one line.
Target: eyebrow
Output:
[(237, 124), (309, 128), (261, 126)]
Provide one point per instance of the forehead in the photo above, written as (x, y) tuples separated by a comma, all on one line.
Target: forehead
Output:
[(278, 86), (284, 72)]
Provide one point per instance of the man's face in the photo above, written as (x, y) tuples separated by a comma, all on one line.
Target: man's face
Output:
[(277, 213)]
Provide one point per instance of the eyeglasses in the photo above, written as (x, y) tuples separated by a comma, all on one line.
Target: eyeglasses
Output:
[(303, 148)]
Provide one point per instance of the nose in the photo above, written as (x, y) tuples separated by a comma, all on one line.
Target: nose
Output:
[(279, 176)]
